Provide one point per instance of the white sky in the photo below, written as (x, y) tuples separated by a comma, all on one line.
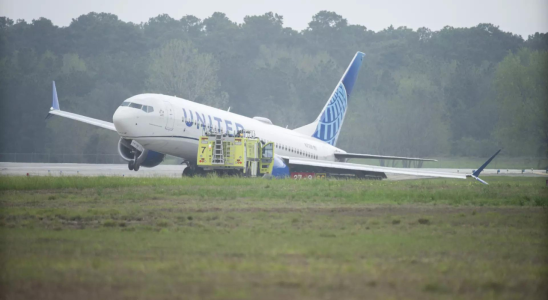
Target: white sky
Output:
[(523, 17)]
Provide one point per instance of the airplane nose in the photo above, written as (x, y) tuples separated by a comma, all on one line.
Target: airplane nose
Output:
[(124, 120)]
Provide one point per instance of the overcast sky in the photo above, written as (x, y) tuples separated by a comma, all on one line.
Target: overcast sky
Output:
[(523, 17)]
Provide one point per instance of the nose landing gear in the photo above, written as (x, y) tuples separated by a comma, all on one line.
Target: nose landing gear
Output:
[(132, 164)]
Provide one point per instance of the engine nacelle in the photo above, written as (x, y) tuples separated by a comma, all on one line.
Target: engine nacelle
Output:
[(280, 169), (147, 158)]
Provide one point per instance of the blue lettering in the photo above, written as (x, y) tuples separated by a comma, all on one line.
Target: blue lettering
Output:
[(210, 123), (239, 127), (200, 120), (228, 126), (187, 122), (219, 120)]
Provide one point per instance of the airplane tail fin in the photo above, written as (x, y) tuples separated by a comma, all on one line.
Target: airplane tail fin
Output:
[(327, 125), (477, 172)]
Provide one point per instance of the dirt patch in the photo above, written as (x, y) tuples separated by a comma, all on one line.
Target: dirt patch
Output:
[(378, 210)]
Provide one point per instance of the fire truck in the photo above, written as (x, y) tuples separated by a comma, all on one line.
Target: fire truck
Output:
[(240, 154)]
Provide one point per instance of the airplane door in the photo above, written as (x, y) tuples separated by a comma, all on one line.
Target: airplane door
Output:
[(170, 120)]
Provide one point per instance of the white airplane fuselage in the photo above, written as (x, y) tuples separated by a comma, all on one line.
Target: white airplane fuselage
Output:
[(175, 125)]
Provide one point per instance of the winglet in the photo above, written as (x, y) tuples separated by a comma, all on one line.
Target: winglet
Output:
[(478, 171), (55, 103)]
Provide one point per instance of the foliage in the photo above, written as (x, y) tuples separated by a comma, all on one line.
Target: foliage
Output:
[(178, 69), (419, 93), (522, 90)]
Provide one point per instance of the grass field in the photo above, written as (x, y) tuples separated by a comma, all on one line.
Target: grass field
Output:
[(233, 238)]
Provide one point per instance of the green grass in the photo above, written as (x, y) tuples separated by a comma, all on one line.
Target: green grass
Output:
[(233, 238), (500, 191)]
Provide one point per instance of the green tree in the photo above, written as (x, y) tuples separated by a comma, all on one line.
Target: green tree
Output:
[(522, 92), (179, 69), (418, 90)]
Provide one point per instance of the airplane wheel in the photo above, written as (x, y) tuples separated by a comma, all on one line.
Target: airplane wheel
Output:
[(187, 172), (131, 165), (136, 168)]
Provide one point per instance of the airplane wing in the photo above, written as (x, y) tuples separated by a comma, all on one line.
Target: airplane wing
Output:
[(357, 167), (357, 155), (84, 119), (56, 111)]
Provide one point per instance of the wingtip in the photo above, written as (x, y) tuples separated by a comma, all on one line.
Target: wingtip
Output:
[(55, 100), (477, 172)]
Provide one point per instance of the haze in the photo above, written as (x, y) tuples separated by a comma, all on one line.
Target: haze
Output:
[(520, 17)]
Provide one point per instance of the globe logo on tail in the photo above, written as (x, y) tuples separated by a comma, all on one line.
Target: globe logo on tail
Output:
[(332, 117)]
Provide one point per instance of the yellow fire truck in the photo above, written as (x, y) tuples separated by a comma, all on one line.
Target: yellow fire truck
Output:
[(243, 153)]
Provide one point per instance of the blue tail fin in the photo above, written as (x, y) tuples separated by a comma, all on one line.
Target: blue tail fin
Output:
[(327, 125), (55, 101)]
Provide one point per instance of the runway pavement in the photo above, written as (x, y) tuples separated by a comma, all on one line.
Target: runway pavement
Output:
[(45, 169)]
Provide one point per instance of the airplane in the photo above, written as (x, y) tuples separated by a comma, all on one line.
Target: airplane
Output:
[(153, 125)]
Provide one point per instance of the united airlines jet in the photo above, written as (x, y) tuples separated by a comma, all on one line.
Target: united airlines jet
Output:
[(153, 125)]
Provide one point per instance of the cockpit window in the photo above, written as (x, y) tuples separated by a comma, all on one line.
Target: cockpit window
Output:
[(135, 105), (145, 108)]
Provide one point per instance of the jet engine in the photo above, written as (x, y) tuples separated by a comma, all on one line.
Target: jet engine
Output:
[(280, 169), (137, 158)]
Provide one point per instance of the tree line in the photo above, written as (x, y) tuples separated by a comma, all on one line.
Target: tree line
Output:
[(420, 93)]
